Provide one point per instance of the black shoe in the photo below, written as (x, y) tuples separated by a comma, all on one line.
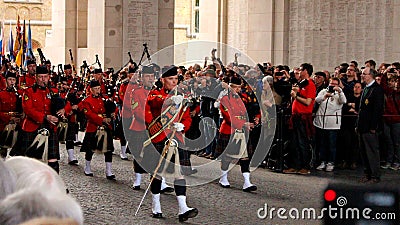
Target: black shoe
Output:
[(125, 159), (111, 177), (224, 186), (73, 162), (78, 143), (88, 174), (157, 215), (167, 190), (188, 214), (250, 189), (136, 187)]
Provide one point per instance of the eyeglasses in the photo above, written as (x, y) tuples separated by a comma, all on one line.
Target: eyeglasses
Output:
[(365, 74), (350, 69)]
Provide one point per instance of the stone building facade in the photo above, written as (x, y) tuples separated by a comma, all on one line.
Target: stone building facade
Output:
[(37, 11), (324, 33)]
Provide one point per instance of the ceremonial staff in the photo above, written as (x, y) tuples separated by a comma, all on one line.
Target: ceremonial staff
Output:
[(164, 152)]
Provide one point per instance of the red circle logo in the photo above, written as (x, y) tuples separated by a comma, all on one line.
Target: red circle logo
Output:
[(330, 195)]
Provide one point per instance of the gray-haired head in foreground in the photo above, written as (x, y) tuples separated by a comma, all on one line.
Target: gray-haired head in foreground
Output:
[(31, 172), (7, 180), (27, 204)]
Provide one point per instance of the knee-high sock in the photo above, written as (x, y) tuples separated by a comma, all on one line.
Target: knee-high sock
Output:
[(164, 184), (247, 182), (156, 205), (224, 178), (108, 169), (123, 151), (71, 155), (88, 169), (138, 179), (182, 204)]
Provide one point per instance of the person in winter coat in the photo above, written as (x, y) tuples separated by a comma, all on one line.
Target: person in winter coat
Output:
[(327, 122)]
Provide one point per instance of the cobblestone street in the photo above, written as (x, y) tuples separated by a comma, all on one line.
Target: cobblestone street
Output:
[(115, 202)]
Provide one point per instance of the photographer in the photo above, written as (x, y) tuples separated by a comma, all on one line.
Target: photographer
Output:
[(303, 95), (348, 80), (327, 121), (391, 128)]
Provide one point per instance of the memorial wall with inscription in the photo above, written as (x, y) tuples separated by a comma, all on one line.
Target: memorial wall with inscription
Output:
[(327, 33), (140, 25)]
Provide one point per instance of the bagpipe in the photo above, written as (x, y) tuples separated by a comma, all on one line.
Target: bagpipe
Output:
[(218, 61), (41, 55), (103, 131), (74, 81), (39, 147), (58, 103)]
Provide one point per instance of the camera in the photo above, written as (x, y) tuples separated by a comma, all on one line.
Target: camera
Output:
[(330, 89)]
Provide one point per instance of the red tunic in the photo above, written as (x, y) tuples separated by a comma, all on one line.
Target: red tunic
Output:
[(154, 107), (8, 103), (125, 96), (3, 83), (36, 105), (93, 107), (233, 112), (137, 106), (27, 79)]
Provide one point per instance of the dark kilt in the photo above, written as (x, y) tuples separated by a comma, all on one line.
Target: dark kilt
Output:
[(89, 142), (72, 130), (224, 140), (152, 156), (25, 139), (135, 141)]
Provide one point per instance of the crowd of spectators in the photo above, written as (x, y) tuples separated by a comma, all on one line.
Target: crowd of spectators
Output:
[(320, 110)]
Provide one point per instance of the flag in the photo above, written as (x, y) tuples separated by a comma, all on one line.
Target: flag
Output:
[(2, 49), (29, 52), (18, 58), (29, 44), (11, 45), (17, 43)]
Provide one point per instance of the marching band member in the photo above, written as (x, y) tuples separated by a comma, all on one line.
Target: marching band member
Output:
[(43, 108), (234, 124), (28, 79), (128, 85), (10, 111), (155, 117), (97, 123), (137, 130)]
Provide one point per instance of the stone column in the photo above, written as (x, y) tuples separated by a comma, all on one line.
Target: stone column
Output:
[(63, 31), (268, 31), (114, 54), (96, 31), (166, 29)]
